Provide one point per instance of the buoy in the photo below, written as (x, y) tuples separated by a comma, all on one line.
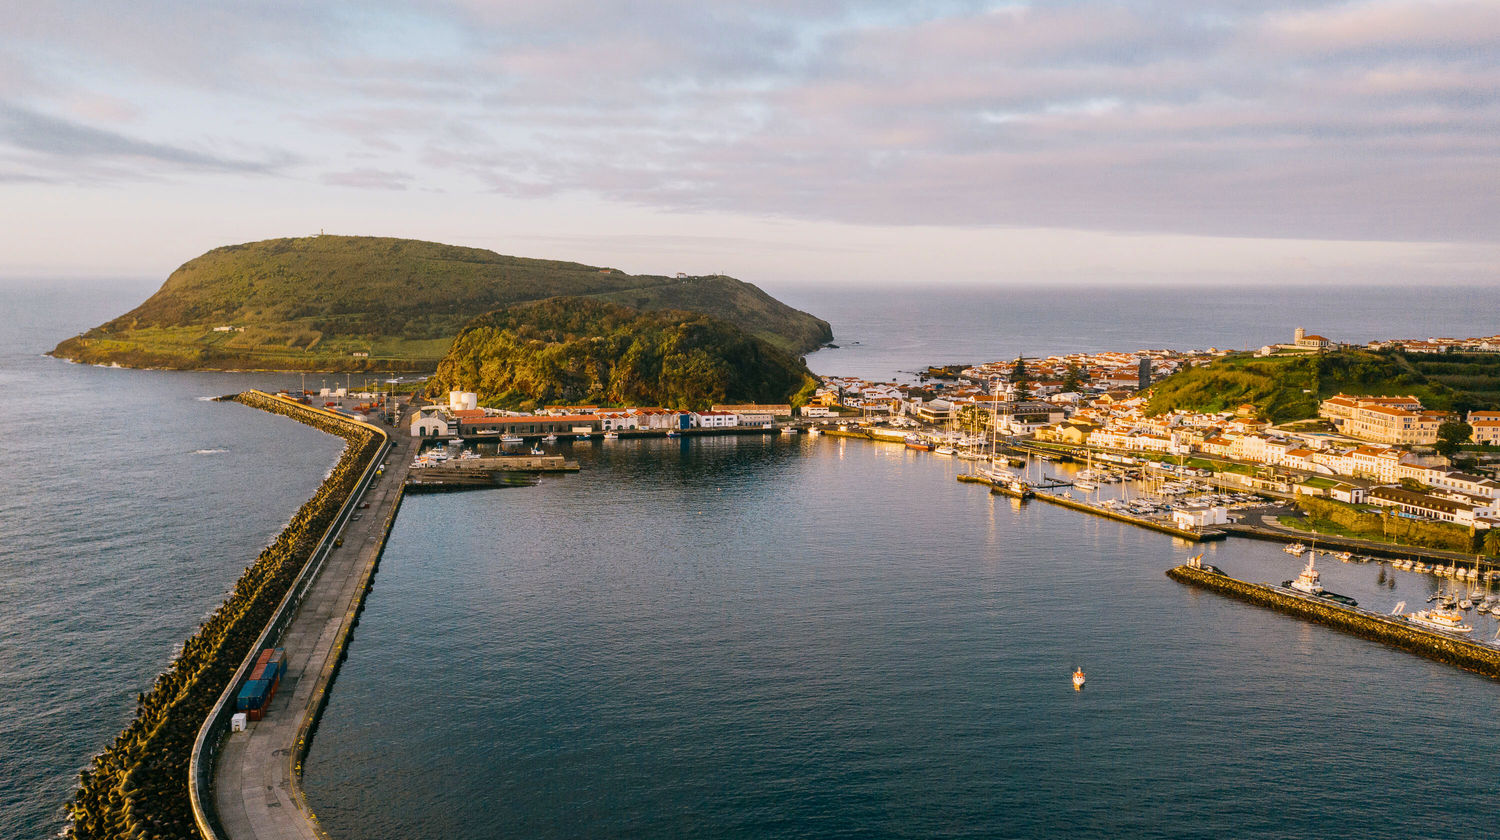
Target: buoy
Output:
[(1078, 680)]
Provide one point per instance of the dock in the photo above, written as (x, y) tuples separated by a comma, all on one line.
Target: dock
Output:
[(1192, 535), (446, 479), (1394, 631), (506, 463)]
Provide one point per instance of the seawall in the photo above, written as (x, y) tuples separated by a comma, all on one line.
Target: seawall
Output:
[(223, 763), (1395, 632)]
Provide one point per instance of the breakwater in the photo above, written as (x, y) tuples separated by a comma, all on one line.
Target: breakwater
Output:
[(1396, 632), (139, 786)]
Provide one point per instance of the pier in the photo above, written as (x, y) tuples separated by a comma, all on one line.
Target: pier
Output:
[(249, 788), (1443, 647), (1199, 535)]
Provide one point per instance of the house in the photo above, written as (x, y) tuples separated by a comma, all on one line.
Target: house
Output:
[(1486, 425), (1301, 339), (1424, 506)]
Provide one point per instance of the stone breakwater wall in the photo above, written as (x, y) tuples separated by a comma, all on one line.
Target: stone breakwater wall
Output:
[(139, 786), (1396, 632)]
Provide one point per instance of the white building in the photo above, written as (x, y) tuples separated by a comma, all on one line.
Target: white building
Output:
[(715, 419), (1200, 517), (432, 421)]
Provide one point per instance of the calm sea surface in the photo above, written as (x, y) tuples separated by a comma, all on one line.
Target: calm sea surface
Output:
[(741, 637)]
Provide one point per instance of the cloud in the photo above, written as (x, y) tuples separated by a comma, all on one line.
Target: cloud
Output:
[(67, 141), (1364, 120), (368, 179)]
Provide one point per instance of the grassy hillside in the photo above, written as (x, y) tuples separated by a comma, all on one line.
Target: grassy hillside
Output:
[(315, 302), (1291, 387), (577, 350)]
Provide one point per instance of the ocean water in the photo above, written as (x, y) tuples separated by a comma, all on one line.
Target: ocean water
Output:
[(883, 333), (814, 637), (747, 637), (128, 505)]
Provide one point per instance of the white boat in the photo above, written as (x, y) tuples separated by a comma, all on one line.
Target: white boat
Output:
[(1085, 485), (1308, 580), (945, 450), (550, 439), (537, 450), (509, 438), (1078, 680), (611, 435), (788, 430), (1295, 548), (815, 431), (1444, 620)]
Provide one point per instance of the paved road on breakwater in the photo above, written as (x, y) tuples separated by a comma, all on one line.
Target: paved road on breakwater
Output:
[(254, 791)]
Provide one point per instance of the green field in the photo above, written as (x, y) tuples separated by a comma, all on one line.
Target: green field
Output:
[(1290, 387)]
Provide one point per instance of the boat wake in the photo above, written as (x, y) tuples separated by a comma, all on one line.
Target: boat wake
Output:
[(209, 451)]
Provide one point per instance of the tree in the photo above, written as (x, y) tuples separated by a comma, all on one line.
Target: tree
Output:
[(1492, 542), (1451, 435), (1020, 380), (1073, 378)]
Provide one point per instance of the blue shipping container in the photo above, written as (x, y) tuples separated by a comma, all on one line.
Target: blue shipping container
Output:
[(253, 695)]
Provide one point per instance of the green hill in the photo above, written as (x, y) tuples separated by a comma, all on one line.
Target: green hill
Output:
[(578, 350), (1291, 387), (320, 302)]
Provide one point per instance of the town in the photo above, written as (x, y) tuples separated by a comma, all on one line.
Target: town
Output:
[(1386, 454)]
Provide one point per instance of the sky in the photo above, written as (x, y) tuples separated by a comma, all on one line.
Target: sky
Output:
[(1207, 141)]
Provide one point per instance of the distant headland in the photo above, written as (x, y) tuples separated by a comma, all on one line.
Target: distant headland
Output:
[(360, 303)]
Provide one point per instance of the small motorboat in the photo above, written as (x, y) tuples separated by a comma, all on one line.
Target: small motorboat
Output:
[(1078, 680)]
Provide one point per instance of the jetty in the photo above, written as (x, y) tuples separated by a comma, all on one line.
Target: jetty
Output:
[(1392, 630), (506, 463), (1190, 534), (246, 785)]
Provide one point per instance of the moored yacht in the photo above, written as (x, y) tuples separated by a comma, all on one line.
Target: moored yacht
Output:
[(1444, 620)]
